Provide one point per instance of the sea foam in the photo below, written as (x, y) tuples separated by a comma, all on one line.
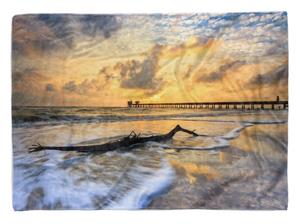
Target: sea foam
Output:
[(154, 184)]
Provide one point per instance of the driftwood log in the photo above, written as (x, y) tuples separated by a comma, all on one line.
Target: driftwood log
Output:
[(131, 140)]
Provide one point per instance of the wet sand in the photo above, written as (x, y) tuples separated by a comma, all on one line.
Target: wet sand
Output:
[(238, 161), (249, 174)]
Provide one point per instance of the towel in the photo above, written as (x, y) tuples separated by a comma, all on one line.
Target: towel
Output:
[(150, 111)]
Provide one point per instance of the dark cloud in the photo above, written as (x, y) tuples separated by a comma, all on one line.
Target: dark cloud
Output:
[(104, 24), (279, 47), (29, 32), (85, 87), (221, 72), (26, 86), (104, 71), (141, 75), (19, 98), (50, 87), (64, 25), (70, 86), (60, 25), (20, 75), (55, 31), (270, 78)]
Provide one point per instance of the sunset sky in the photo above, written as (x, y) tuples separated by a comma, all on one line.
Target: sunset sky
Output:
[(106, 60)]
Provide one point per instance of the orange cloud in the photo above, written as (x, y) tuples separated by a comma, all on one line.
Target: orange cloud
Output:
[(198, 69)]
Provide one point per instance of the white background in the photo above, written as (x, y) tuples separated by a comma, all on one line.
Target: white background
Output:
[(12, 7)]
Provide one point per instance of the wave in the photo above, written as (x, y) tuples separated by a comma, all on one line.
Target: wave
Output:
[(113, 180), (53, 181), (235, 132), (219, 143), (59, 119), (153, 184), (20, 121), (89, 115)]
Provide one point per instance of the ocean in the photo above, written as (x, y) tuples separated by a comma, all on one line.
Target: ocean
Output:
[(239, 161)]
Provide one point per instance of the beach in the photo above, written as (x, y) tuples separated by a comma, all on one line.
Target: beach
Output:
[(239, 161)]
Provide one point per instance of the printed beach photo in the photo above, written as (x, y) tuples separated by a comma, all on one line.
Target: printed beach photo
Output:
[(150, 111)]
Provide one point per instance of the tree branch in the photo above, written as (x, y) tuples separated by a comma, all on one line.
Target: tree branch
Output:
[(128, 141)]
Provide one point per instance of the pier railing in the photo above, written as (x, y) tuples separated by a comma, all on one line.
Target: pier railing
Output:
[(241, 105)]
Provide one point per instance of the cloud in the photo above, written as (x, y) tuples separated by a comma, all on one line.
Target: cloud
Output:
[(104, 24), (48, 32), (21, 99), (49, 87), (270, 78), (141, 74), (64, 26), (221, 72), (31, 33), (71, 48), (26, 76), (81, 34), (61, 27), (85, 87), (70, 86), (107, 74)]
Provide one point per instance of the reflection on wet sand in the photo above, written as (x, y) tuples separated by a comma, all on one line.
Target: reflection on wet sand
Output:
[(192, 170), (249, 174), (232, 165), (265, 139), (225, 157)]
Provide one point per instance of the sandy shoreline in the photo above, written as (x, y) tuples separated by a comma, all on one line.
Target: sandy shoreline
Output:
[(249, 174), (233, 164)]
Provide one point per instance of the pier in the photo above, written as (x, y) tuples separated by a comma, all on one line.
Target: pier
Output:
[(228, 105)]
